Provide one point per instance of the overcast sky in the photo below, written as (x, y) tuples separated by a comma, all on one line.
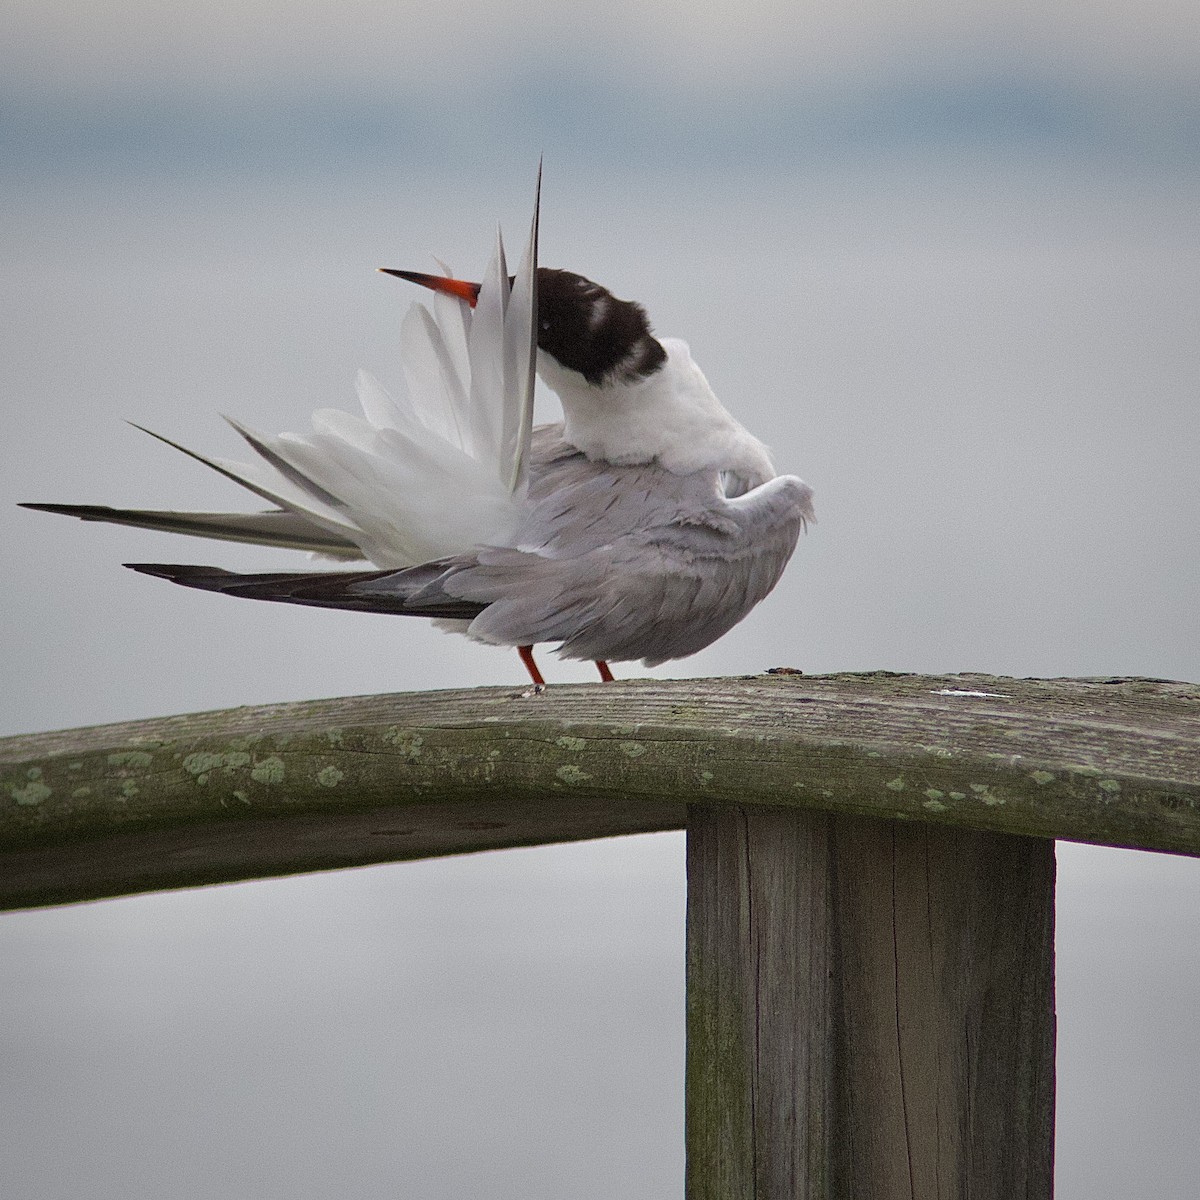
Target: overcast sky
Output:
[(944, 259), (364, 45)]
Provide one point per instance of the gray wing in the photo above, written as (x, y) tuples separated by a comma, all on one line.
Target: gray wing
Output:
[(616, 563), (621, 563)]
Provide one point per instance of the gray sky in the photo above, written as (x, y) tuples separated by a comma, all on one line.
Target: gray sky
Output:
[(368, 46), (946, 264)]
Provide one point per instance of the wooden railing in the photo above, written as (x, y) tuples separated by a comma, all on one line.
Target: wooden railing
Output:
[(870, 872)]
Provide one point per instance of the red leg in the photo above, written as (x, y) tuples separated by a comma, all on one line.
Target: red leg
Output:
[(605, 673), (526, 653)]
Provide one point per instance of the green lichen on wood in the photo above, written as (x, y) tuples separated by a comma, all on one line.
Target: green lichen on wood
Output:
[(1110, 762)]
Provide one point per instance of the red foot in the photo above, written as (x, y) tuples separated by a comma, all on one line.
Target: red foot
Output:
[(526, 653)]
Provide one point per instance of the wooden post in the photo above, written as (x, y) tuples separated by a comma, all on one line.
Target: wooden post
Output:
[(870, 1009)]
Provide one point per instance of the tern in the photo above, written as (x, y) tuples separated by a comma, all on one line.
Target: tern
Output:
[(644, 525)]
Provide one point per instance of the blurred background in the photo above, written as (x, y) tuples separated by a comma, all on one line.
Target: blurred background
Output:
[(943, 258)]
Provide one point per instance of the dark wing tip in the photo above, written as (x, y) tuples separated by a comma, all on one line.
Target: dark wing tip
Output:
[(319, 589), (178, 572), (70, 510)]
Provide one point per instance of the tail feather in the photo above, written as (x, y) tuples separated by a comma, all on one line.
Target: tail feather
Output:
[(521, 346), (269, 485), (325, 589), (276, 527), (436, 368)]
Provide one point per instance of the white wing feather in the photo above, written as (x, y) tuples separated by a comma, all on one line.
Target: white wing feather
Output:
[(435, 473)]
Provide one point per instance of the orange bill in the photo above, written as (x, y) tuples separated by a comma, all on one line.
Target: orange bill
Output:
[(459, 288)]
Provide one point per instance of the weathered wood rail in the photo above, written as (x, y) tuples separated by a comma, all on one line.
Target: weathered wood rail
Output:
[(250, 792), (870, 872)]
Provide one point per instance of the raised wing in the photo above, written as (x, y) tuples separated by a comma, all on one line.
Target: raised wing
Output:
[(435, 473)]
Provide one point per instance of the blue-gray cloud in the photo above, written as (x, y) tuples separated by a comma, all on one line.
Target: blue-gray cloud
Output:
[(148, 86), (598, 123)]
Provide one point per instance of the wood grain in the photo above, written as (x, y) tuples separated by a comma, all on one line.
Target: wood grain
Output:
[(870, 1009), (759, 1015)]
